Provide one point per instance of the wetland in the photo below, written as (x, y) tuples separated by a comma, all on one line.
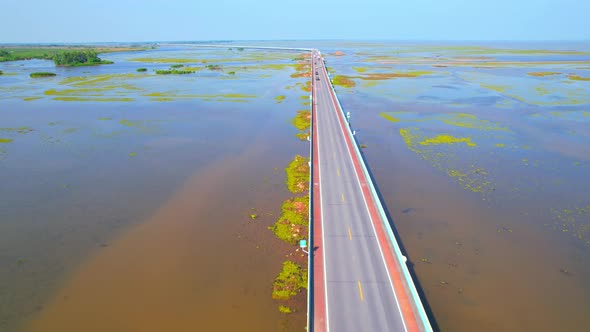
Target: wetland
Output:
[(187, 193)]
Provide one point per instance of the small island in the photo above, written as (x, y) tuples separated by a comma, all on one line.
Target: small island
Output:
[(42, 74), (78, 58)]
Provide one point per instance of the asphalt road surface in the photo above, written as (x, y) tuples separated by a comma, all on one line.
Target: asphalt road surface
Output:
[(358, 290)]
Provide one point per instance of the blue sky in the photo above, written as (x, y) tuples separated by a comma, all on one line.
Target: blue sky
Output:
[(148, 20)]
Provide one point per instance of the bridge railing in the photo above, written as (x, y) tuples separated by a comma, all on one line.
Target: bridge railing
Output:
[(400, 258)]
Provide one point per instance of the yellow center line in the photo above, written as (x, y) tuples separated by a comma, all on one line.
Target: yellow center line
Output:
[(361, 291), (342, 196), (349, 233)]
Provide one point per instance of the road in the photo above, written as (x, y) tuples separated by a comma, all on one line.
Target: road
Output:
[(354, 276)]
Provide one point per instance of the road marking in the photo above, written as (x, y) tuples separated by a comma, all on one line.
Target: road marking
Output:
[(349, 233), (342, 196), (343, 131), (361, 291), (338, 171)]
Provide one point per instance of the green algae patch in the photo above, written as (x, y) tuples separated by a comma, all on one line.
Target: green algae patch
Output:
[(285, 310), (447, 139), (110, 99), (500, 145), (104, 119), (497, 88), (280, 99), (6, 140), (302, 120), (543, 73), (387, 76), (165, 60), (388, 117), (31, 98), (343, 81), (132, 154), (174, 72), (575, 77), (78, 81), (573, 220), (303, 136), (298, 174), (292, 225), (359, 69), (290, 281)]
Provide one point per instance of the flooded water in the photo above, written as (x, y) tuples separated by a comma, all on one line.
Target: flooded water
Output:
[(126, 195)]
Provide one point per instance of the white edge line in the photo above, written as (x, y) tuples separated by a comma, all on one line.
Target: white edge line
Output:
[(322, 216), (371, 218)]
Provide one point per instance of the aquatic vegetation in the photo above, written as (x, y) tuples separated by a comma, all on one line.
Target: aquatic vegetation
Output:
[(285, 309), (280, 98), (42, 74), (104, 119), (132, 154), (472, 178), (47, 53), (31, 98), (1, 72), (543, 73), (343, 81), (303, 136), (573, 220), (447, 139), (141, 69), (298, 174), (19, 130), (178, 65), (497, 88), (388, 117), (302, 120), (165, 60), (6, 140), (542, 91), (360, 69), (289, 282), (292, 224), (108, 99), (173, 72), (386, 76), (78, 81), (575, 77)]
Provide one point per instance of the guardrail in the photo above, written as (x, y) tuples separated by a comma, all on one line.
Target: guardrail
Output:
[(418, 306), (310, 215)]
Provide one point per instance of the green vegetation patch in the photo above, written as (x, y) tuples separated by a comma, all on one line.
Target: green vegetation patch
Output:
[(289, 282), (343, 81), (42, 74), (106, 99), (164, 60), (6, 140), (141, 70), (388, 117), (178, 65), (447, 139), (302, 120), (31, 98), (285, 310), (174, 72), (575, 77), (78, 58), (293, 223), (280, 99), (298, 174), (543, 73)]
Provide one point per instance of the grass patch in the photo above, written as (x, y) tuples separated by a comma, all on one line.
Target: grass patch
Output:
[(6, 140), (42, 74), (289, 282), (141, 70), (447, 139), (302, 120), (577, 77), (292, 225), (280, 99), (543, 73), (298, 174), (173, 72), (110, 99), (389, 117), (285, 309), (343, 81), (178, 65), (31, 98)]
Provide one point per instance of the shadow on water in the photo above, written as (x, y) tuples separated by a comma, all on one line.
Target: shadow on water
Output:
[(400, 243)]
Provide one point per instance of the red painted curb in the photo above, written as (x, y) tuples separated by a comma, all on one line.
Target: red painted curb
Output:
[(319, 301), (395, 274)]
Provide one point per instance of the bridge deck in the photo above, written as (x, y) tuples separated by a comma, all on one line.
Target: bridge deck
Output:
[(358, 285)]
